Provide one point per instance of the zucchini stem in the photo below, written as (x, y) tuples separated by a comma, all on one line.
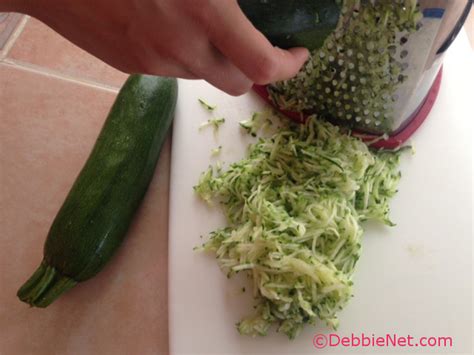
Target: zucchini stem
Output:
[(44, 286)]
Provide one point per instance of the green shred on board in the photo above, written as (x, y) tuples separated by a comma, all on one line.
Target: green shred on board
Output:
[(294, 207), (206, 105), (259, 121), (216, 151), (215, 123)]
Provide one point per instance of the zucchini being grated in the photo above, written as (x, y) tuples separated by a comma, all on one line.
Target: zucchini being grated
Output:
[(294, 208)]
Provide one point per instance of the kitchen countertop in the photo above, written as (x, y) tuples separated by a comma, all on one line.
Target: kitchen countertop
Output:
[(52, 95), (53, 101)]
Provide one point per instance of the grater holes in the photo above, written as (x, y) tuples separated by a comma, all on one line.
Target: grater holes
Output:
[(361, 63)]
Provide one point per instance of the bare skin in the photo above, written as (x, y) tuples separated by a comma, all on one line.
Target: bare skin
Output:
[(193, 39)]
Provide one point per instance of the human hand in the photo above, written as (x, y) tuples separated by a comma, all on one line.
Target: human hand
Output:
[(193, 39)]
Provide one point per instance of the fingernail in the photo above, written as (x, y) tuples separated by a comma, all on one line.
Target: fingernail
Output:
[(300, 52)]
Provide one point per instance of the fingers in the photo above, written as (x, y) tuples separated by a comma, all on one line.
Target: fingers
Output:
[(222, 74), (152, 61), (189, 55), (212, 66), (158, 67), (234, 35), (219, 45)]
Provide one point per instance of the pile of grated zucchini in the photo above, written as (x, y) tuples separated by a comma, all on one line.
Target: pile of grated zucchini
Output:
[(294, 208)]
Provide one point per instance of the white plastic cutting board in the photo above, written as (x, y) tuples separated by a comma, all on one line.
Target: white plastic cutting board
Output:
[(414, 279)]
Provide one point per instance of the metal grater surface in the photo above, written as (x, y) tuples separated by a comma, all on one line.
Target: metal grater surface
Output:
[(354, 78)]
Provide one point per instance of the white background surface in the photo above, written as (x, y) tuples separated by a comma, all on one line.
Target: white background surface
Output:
[(414, 279)]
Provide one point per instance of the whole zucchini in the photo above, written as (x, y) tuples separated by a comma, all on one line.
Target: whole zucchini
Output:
[(293, 23), (98, 210)]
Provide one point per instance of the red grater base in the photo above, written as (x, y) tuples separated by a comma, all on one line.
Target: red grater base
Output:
[(393, 141)]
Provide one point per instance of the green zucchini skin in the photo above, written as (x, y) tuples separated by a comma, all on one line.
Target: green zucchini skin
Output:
[(98, 210), (293, 23)]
